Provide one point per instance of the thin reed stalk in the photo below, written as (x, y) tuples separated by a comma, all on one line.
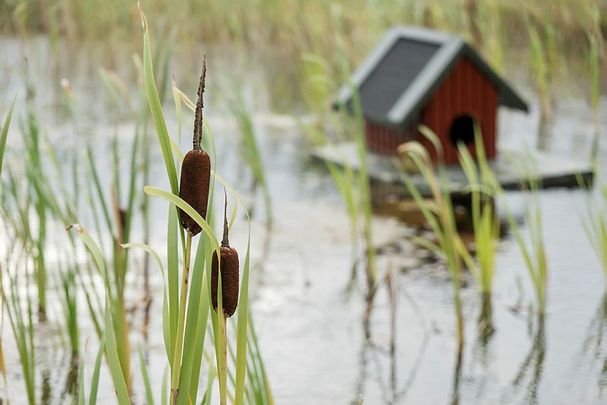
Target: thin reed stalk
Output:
[(440, 216)]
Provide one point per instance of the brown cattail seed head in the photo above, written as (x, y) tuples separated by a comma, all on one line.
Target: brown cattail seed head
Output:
[(229, 280), (229, 271), (196, 169), (194, 187)]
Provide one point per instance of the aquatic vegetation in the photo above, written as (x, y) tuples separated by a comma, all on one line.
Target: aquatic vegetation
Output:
[(21, 320), (352, 183), (70, 309), (440, 216), (485, 222), (533, 249), (106, 199), (228, 269), (596, 57), (595, 224), (4, 133), (35, 176), (485, 225), (184, 331), (251, 154)]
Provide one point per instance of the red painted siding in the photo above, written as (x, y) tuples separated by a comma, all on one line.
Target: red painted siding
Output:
[(464, 91), (385, 140)]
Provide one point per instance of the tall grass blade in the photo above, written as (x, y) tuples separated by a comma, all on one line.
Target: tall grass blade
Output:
[(4, 135), (118, 378), (156, 108), (95, 377), (146, 379), (241, 335)]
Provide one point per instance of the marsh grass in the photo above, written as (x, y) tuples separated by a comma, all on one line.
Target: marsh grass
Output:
[(594, 222), (251, 154), (533, 247), (4, 133), (440, 216), (353, 185), (483, 191), (19, 308), (69, 304), (36, 179), (298, 28)]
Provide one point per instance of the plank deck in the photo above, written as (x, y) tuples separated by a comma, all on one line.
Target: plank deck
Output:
[(553, 171)]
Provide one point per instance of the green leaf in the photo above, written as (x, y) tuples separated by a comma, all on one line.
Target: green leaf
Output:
[(172, 281), (95, 377), (150, 250), (156, 108), (118, 379), (146, 379), (241, 336), (4, 135), (196, 324), (176, 200)]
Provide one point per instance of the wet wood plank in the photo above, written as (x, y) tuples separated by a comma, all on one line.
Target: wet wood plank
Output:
[(554, 171)]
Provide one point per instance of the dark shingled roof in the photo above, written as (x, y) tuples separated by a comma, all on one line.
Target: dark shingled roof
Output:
[(402, 72)]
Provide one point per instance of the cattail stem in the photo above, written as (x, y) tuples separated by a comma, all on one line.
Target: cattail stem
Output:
[(199, 106), (176, 365), (223, 372)]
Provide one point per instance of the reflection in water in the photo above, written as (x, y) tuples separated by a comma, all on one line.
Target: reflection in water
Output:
[(485, 320), (592, 346), (544, 134), (457, 376), (45, 397), (359, 389), (533, 363), (393, 294), (71, 380), (482, 348)]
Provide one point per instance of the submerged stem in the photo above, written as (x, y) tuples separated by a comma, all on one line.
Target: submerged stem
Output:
[(176, 364)]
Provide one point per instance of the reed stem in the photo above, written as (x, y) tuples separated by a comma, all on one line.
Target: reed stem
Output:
[(223, 372), (176, 364)]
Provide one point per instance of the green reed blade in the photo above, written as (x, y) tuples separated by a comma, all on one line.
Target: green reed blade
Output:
[(4, 135), (95, 376), (146, 379), (196, 324), (241, 336), (187, 208), (172, 280), (110, 344), (156, 108)]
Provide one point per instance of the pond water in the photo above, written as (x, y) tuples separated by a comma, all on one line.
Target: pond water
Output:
[(309, 325)]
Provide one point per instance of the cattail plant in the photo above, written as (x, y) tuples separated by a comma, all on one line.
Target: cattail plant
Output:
[(224, 298), (194, 189), (229, 272), (196, 169)]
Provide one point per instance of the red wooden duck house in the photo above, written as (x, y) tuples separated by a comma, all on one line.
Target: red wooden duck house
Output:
[(419, 77)]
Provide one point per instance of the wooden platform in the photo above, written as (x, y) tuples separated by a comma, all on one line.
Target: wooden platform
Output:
[(386, 175)]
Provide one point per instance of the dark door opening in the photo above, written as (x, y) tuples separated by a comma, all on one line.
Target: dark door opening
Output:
[(462, 130)]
